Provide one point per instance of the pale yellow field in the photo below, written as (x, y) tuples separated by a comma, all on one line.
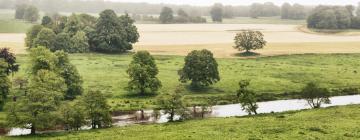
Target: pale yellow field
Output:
[(179, 39)]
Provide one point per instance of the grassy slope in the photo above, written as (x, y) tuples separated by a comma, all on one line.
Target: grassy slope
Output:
[(9, 25), (272, 75), (331, 123)]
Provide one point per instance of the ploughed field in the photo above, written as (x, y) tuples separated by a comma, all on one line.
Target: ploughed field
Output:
[(329, 123), (272, 78)]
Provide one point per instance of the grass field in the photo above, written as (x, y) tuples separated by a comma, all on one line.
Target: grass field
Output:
[(331, 124), (272, 77)]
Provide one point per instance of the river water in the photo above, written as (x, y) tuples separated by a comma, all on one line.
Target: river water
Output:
[(217, 111)]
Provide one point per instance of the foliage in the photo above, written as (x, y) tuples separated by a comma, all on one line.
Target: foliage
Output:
[(72, 115), (72, 25), (79, 43), (62, 43), (46, 38), (37, 110), (70, 74), (10, 59), (142, 72), (111, 35), (31, 34), (183, 17), (249, 40), (330, 17), (5, 84), (247, 98), (216, 12), (97, 109), (268, 9), (47, 22), (200, 68), (315, 96), (296, 11), (42, 59), (173, 105), (20, 11), (166, 15)]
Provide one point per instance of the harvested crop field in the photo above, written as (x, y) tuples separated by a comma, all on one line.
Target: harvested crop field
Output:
[(179, 39)]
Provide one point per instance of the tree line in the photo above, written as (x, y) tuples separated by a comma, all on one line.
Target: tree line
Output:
[(334, 17), (26, 12)]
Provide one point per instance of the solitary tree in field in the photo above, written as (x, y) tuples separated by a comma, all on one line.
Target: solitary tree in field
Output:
[(315, 96), (172, 104), (249, 40), (247, 98), (217, 12), (200, 68), (143, 71), (97, 109), (166, 15)]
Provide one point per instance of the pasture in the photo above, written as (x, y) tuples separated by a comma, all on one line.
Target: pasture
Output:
[(329, 123), (9, 25), (272, 78)]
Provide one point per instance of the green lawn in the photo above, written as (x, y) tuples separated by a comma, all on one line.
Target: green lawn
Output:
[(9, 25), (272, 77), (331, 124)]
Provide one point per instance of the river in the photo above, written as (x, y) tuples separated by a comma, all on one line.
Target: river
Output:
[(218, 111)]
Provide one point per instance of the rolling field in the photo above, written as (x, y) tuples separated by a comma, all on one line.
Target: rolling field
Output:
[(272, 77), (331, 123), (9, 25)]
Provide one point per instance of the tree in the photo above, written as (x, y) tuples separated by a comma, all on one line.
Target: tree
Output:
[(47, 22), (111, 35), (247, 98), (127, 23), (216, 12), (31, 14), (200, 68), (20, 11), (37, 110), (79, 43), (314, 95), (172, 104), (46, 38), (249, 40), (32, 34), (142, 72), (256, 10), (5, 83), (228, 11), (70, 75), (10, 59), (62, 42), (285, 11), (166, 15), (72, 115), (72, 25), (97, 109), (329, 17), (182, 13), (297, 12), (41, 58)]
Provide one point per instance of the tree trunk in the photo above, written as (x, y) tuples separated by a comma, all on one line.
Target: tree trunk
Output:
[(172, 114), (33, 131), (142, 115)]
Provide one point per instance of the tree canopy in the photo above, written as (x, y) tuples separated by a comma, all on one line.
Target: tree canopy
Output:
[(200, 68), (249, 40), (315, 95), (217, 12), (330, 17), (166, 15)]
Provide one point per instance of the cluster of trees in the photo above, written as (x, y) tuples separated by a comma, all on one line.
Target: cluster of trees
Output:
[(333, 17), (54, 97), (8, 66), (267, 9), (27, 12), (295, 11), (82, 33), (167, 16)]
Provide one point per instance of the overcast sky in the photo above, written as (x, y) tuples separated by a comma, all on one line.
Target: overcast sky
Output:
[(246, 2)]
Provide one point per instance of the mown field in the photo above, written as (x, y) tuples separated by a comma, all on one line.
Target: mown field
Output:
[(331, 124), (271, 77)]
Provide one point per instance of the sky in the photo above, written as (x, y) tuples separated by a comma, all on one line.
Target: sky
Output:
[(245, 2)]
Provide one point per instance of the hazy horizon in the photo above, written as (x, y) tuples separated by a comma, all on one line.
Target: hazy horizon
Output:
[(238, 2)]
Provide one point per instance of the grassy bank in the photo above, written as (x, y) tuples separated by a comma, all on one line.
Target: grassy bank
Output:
[(330, 123), (340, 32), (272, 78)]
